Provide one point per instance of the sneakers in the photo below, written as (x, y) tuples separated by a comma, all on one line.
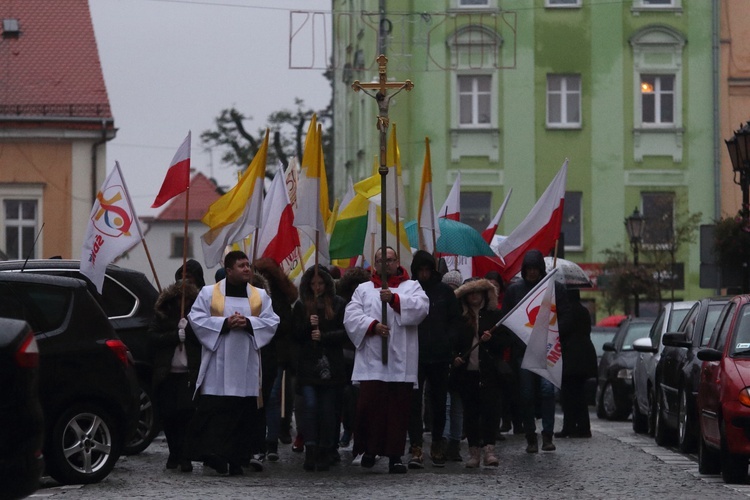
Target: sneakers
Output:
[(532, 443), (547, 444), (490, 459), (417, 458), (272, 453), (256, 463), (395, 466), (437, 453), (473, 461)]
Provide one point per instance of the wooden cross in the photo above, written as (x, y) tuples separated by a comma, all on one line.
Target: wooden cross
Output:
[(383, 99)]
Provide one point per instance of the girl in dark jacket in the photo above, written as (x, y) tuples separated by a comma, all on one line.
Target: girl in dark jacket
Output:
[(319, 332), (475, 368), (177, 358)]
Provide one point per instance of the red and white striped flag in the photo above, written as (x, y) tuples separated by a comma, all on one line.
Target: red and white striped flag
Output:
[(178, 175), (451, 209), (278, 237)]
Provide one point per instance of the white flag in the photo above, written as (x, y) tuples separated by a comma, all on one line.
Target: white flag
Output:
[(113, 228), (534, 316)]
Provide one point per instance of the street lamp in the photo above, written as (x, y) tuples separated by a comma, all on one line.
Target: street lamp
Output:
[(739, 152), (635, 225)]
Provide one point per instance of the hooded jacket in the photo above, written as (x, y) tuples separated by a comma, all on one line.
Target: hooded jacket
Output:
[(320, 362), (438, 330)]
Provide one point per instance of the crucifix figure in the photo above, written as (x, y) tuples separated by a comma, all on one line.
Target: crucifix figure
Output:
[(383, 100)]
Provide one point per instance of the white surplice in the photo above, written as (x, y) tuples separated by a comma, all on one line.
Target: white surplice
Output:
[(403, 342), (230, 362)]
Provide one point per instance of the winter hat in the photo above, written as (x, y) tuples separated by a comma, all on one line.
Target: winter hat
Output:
[(453, 278)]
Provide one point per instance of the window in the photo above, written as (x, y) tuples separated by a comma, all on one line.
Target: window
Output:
[(658, 210), (474, 100), (563, 3), (572, 224), (20, 222), (473, 4), (564, 101), (475, 209), (657, 99), (177, 245)]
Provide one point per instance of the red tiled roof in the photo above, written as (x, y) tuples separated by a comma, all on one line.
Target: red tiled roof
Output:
[(52, 67), (202, 194)]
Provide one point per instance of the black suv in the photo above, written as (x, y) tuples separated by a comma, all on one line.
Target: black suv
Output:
[(21, 427), (87, 384), (128, 298)]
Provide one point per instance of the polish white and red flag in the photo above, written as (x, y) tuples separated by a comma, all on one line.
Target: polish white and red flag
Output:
[(278, 238), (534, 321), (451, 209), (177, 179), (491, 229), (539, 230)]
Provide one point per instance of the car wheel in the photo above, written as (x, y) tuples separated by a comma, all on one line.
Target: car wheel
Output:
[(640, 421), (599, 403), (733, 467), (708, 458), (662, 434), (686, 426), (609, 403), (84, 447), (147, 427)]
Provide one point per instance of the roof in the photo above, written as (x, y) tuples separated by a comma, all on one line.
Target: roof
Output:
[(50, 67), (203, 192)]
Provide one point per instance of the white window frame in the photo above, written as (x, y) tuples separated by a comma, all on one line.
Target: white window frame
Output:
[(564, 92), (487, 4), (31, 192), (563, 4), (475, 94), (659, 94), (653, 5)]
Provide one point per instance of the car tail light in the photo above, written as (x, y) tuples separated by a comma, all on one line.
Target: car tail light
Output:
[(745, 396), (120, 350), (27, 356)]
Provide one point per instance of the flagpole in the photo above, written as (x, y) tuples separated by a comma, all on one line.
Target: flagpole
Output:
[(395, 190)]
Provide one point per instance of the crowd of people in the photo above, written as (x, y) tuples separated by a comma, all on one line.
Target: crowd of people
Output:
[(369, 357)]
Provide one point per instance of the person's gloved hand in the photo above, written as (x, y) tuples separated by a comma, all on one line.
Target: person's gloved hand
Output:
[(182, 323)]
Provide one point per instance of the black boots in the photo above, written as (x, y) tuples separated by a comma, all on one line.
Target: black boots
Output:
[(532, 443), (311, 452)]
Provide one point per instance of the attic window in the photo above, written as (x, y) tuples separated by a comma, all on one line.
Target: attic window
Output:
[(10, 28)]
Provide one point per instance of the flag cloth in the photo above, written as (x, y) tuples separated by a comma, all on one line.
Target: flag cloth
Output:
[(491, 229), (540, 229), (178, 176), (520, 320), (238, 212), (429, 230), (313, 211), (112, 230), (451, 209), (543, 355), (278, 238)]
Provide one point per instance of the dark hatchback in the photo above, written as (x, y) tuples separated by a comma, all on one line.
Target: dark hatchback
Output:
[(614, 391), (678, 376), (87, 384), (128, 299), (21, 422)]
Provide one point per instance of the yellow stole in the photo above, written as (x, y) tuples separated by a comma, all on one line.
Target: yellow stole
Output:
[(217, 301)]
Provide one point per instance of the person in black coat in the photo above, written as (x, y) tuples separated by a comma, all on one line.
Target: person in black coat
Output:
[(579, 364), (176, 360), (319, 332), (436, 335)]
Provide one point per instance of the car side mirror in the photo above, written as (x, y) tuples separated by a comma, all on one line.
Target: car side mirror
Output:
[(644, 345), (675, 339), (709, 355), (609, 347)]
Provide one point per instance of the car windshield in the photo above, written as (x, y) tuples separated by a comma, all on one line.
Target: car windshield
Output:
[(714, 310), (741, 344), (635, 332)]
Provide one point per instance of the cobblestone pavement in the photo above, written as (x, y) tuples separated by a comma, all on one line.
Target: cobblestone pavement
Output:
[(614, 463)]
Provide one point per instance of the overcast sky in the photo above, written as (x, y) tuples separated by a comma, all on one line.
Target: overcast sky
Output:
[(171, 66)]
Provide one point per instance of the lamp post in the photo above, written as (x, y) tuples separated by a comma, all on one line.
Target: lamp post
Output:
[(635, 225), (739, 153)]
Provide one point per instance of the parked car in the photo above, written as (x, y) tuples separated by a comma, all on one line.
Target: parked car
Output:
[(724, 395), (599, 336), (678, 374), (87, 383), (649, 352), (21, 423), (614, 390), (128, 298)]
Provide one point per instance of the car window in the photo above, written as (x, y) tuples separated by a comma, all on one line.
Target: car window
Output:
[(599, 338), (741, 342), (635, 331), (656, 328), (44, 307), (714, 311), (688, 324), (719, 336), (117, 301), (676, 318)]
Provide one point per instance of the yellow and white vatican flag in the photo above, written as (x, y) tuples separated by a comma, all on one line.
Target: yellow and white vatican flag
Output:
[(113, 228), (534, 320)]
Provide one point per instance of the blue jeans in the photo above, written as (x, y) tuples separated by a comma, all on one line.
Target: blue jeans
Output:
[(318, 416), (454, 417), (534, 386), (273, 410)]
